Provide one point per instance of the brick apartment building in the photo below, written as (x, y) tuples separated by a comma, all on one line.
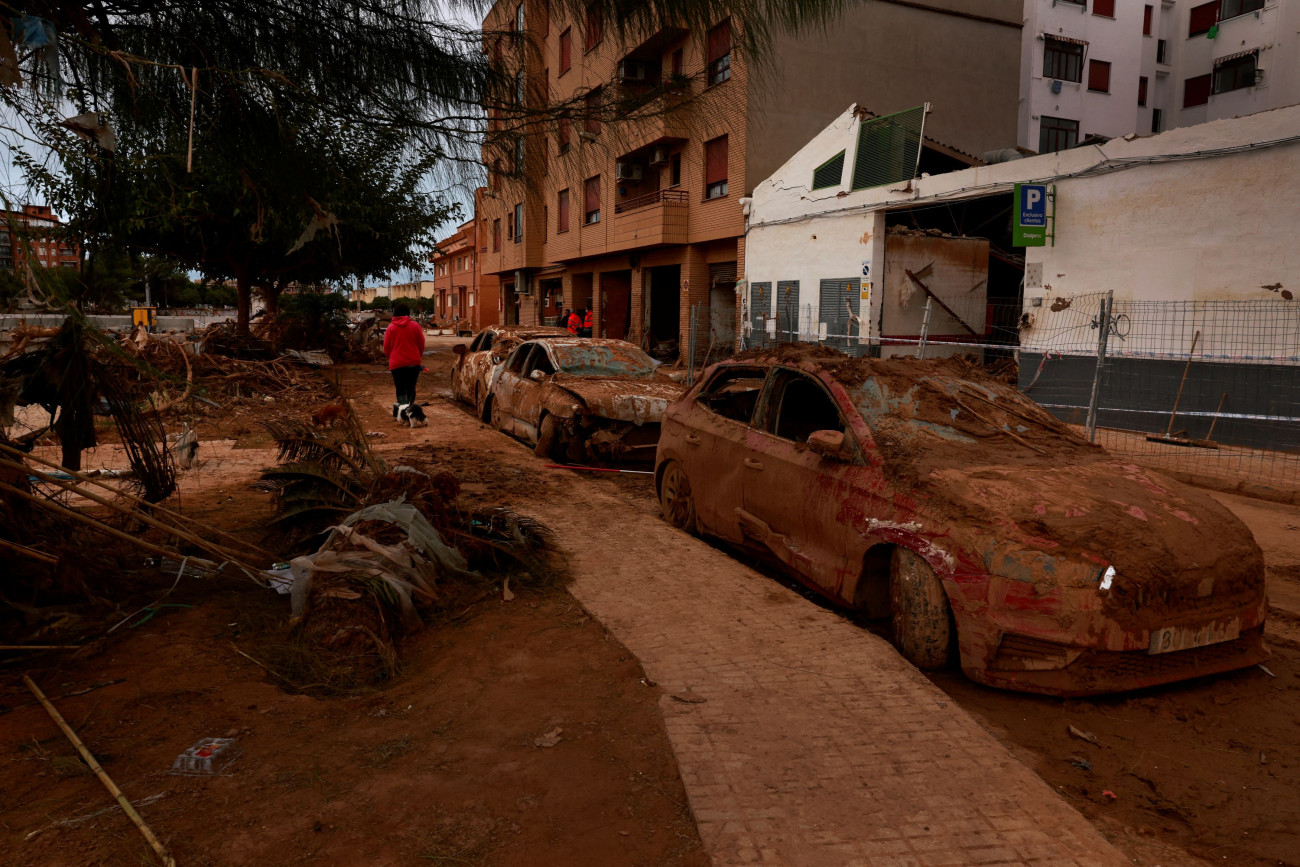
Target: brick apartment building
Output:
[(33, 232), (460, 290), (643, 220)]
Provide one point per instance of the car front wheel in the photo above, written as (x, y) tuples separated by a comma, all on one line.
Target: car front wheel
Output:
[(675, 498), (922, 617)]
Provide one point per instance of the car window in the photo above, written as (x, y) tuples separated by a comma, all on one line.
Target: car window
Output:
[(733, 392), (539, 360), (476, 345), (797, 406), (516, 363), (606, 358)]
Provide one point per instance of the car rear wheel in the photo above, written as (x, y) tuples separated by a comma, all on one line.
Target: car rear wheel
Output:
[(675, 498), (922, 617)]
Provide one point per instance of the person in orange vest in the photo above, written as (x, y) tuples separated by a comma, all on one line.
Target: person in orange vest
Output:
[(588, 321), (575, 323)]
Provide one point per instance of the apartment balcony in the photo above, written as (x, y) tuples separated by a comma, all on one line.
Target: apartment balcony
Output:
[(656, 218)]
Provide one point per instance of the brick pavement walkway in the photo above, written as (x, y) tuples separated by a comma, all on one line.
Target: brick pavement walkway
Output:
[(802, 739)]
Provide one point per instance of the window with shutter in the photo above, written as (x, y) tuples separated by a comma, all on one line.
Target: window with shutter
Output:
[(1148, 12), (1235, 74), (595, 25), (1056, 134), (566, 50), (562, 212), (1142, 90), (1233, 8), (838, 303), (1202, 18), (829, 173), (1099, 76), (760, 308), (519, 156), (677, 62), (519, 18), (715, 168), (787, 309), (719, 49), (1062, 60), (591, 200), (496, 235), (519, 222), (545, 21), (889, 149), (1105, 8), (1196, 91)]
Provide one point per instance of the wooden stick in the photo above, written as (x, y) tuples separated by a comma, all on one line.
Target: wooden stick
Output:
[(215, 550), (27, 552), (98, 525), (157, 507), (1170, 430), (104, 778), (1210, 436), (40, 646)]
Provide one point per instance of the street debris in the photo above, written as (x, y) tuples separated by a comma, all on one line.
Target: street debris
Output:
[(1081, 763), (208, 757), (1083, 736), (549, 739)]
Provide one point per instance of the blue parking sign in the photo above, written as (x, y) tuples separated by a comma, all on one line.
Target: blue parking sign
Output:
[(1030, 229)]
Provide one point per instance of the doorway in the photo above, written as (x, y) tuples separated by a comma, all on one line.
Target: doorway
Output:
[(615, 304), (665, 310)]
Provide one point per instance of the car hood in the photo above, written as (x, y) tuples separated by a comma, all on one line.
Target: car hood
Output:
[(1172, 547), (641, 401)]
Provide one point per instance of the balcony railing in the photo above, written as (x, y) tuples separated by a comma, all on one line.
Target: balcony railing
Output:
[(674, 196)]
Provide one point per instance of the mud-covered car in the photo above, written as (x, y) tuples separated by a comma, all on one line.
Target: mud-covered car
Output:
[(983, 528), (581, 399), (469, 374)]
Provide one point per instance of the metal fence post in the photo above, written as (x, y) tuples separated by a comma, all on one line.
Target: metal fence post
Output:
[(925, 328), (1104, 317)]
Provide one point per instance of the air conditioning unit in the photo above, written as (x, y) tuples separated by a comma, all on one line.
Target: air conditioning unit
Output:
[(1056, 85), (628, 171), (632, 71), (659, 156)]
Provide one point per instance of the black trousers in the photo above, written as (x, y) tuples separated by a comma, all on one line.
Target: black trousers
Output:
[(404, 379)]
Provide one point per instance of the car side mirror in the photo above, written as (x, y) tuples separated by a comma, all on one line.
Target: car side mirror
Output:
[(459, 349), (827, 443), (536, 375)]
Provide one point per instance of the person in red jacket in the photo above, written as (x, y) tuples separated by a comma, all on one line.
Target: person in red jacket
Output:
[(575, 323), (588, 320), (404, 346)]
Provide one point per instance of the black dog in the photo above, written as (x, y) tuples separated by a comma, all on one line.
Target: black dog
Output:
[(410, 413)]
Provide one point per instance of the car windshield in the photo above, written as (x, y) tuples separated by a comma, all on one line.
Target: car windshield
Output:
[(603, 359), (956, 419)]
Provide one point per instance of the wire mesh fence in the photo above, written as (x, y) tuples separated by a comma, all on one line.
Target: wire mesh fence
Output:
[(1202, 387)]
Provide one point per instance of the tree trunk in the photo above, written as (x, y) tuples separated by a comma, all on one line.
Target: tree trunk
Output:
[(244, 302)]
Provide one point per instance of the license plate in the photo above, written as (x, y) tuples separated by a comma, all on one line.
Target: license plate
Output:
[(1172, 638)]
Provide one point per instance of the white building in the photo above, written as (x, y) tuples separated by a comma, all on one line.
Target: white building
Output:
[(1114, 67), (1202, 212)]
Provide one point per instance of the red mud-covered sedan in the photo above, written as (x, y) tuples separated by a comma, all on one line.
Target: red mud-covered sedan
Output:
[(983, 528)]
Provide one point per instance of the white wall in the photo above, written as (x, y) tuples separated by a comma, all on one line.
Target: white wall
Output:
[(1172, 227)]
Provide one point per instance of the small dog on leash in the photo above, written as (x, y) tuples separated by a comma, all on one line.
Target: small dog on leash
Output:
[(410, 413)]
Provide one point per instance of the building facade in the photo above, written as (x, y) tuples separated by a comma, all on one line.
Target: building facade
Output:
[(1109, 68), (31, 235), (642, 220), (461, 293)]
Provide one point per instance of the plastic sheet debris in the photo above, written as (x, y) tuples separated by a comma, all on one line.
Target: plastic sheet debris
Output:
[(208, 757), (280, 578)]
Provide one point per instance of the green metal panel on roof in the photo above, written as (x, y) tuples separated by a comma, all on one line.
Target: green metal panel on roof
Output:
[(889, 148), (829, 173)]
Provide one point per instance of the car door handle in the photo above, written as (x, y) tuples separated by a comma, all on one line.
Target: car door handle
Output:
[(693, 439), (753, 464)]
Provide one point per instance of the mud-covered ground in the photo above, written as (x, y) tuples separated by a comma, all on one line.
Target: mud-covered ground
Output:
[(1209, 767), (444, 765)]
